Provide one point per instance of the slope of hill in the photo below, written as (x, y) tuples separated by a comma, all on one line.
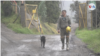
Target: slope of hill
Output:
[(16, 27)]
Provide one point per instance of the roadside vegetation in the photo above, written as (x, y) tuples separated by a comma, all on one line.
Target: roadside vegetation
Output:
[(91, 38), (8, 16), (8, 20), (16, 27)]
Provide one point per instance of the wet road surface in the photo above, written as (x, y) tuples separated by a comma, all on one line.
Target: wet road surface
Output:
[(13, 44)]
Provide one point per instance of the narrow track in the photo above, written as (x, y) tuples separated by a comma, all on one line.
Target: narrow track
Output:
[(13, 44)]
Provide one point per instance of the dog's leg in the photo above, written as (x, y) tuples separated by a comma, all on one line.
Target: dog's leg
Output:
[(44, 44), (41, 43)]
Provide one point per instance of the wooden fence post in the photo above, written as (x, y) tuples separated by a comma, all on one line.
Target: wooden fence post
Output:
[(16, 8)]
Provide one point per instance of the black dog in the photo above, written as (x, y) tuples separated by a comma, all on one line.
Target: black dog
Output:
[(43, 40)]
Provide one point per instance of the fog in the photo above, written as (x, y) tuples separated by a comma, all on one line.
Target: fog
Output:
[(66, 6)]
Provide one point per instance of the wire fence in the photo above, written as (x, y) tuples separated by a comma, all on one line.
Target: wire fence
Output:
[(82, 15), (32, 19)]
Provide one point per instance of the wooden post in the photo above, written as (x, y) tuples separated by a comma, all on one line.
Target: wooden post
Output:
[(16, 8), (22, 13), (13, 8), (86, 15), (79, 18), (91, 21), (96, 15), (25, 16)]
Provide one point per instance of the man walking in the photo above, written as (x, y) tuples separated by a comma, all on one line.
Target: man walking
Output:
[(63, 22)]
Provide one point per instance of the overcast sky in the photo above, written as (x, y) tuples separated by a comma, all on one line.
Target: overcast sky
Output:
[(66, 6)]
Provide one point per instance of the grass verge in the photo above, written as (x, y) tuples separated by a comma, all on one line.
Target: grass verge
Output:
[(91, 38), (16, 27), (49, 28)]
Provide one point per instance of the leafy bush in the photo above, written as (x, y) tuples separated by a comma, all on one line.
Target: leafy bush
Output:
[(53, 11), (33, 2), (42, 11), (7, 9), (19, 29), (91, 38)]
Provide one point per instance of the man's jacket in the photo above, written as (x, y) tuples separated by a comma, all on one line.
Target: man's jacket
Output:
[(63, 22)]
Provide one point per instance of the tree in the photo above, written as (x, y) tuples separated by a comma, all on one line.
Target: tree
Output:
[(53, 11), (42, 10), (98, 15), (6, 8), (74, 7), (33, 2), (47, 10)]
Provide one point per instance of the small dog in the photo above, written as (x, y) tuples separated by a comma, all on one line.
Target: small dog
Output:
[(43, 40)]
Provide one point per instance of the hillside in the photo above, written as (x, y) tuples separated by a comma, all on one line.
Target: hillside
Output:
[(16, 27)]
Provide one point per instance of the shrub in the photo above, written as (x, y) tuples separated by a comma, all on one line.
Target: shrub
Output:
[(7, 9)]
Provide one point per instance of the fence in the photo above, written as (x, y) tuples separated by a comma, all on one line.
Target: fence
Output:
[(31, 17), (82, 15), (14, 7)]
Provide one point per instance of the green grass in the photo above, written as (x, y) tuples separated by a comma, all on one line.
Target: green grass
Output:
[(91, 38), (1, 12), (51, 28), (16, 27)]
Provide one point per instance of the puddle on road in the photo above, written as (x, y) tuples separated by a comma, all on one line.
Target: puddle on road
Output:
[(30, 40), (55, 43), (17, 51), (50, 38), (52, 42), (23, 48), (4, 39), (58, 46)]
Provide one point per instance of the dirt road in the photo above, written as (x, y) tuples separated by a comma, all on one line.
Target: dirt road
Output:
[(13, 44)]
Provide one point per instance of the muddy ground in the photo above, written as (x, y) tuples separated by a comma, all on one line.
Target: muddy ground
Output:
[(13, 44)]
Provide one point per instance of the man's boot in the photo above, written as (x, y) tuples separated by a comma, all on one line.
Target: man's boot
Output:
[(67, 43), (67, 48), (62, 40)]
